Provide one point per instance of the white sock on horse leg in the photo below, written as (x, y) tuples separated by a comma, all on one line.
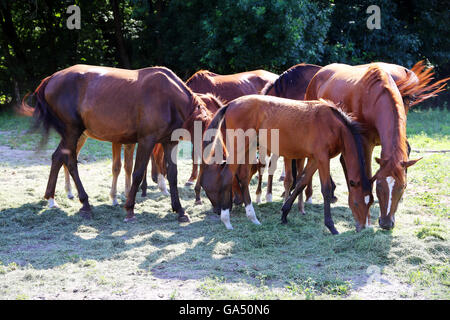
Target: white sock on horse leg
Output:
[(225, 217), (250, 212)]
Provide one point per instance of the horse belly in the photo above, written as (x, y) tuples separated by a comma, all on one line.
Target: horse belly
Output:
[(110, 125)]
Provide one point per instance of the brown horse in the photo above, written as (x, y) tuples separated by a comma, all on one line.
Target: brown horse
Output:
[(414, 85), (324, 132), (371, 95), (298, 77), (121, 106), (226, 88)]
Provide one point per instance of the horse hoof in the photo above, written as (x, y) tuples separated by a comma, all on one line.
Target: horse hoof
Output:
[(86, 214), (165, 193), (334, 199), (189, 183), (284, 221), (70, 196), (184, 218), (115, 202), (198, 202), (309, 200), (281, 178), (129, 219)]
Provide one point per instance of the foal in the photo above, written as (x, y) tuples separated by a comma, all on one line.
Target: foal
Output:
[(316, 130)]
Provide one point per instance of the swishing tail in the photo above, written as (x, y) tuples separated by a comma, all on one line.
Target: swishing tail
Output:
[(42, 114)]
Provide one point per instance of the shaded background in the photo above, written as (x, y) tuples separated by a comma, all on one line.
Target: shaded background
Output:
[(224, 36)]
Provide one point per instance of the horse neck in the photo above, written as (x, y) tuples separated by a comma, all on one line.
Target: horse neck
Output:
[(351, 155), (391, 128)]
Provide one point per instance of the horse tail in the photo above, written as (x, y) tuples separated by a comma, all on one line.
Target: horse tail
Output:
[(42, 113), (355, 129), (216, 124)]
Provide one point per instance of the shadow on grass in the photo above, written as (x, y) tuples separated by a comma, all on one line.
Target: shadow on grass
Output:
[(271, 254)]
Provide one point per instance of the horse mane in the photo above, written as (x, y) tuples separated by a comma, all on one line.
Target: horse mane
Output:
[(377, 77), (422, 89), (200, 74), (288, 79), (203, 114), (356, 129)]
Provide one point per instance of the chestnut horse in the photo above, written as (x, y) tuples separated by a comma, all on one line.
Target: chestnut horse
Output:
[(324, 132), (226, 88), (414, 85), (121, 106), (298, 77), (372, 96)]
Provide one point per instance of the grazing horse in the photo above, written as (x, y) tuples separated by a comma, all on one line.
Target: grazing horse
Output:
[(120, 106), (371, 95), (298, 77), (226, 88), (316, 130), (414, 85)]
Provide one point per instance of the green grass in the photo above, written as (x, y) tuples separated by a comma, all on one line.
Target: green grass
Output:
[(55, 254)]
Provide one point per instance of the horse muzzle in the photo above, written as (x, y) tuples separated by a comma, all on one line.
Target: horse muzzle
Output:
[(386, 223)]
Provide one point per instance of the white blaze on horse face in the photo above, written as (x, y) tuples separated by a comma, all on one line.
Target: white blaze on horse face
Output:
[(225, 217), (390, 181), (162, 184), (250, 212), (367, 199)]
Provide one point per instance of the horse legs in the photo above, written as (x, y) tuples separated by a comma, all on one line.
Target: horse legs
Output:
[(144, 150), (272, 166), (128, 152), (116, 166), (236, 192), (170, 149), (68, 187), (283, 174), (244, 179), (309, 192), (158, 168), (326, 188), (300, 165), (57, 162), (260, 170), (194, 173), (311, 167), (288, 180), (198, 187), (70, 160), (144, 184)]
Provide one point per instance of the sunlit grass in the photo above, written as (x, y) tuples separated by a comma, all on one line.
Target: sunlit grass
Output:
[(54, 253)]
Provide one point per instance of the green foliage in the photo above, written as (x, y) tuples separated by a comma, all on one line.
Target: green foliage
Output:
[(224, 36)]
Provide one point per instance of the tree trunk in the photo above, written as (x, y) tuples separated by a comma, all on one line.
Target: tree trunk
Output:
[(125, 61)]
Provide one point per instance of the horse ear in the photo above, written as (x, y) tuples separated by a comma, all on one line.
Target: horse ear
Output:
[(409, 163), (381, 162)]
